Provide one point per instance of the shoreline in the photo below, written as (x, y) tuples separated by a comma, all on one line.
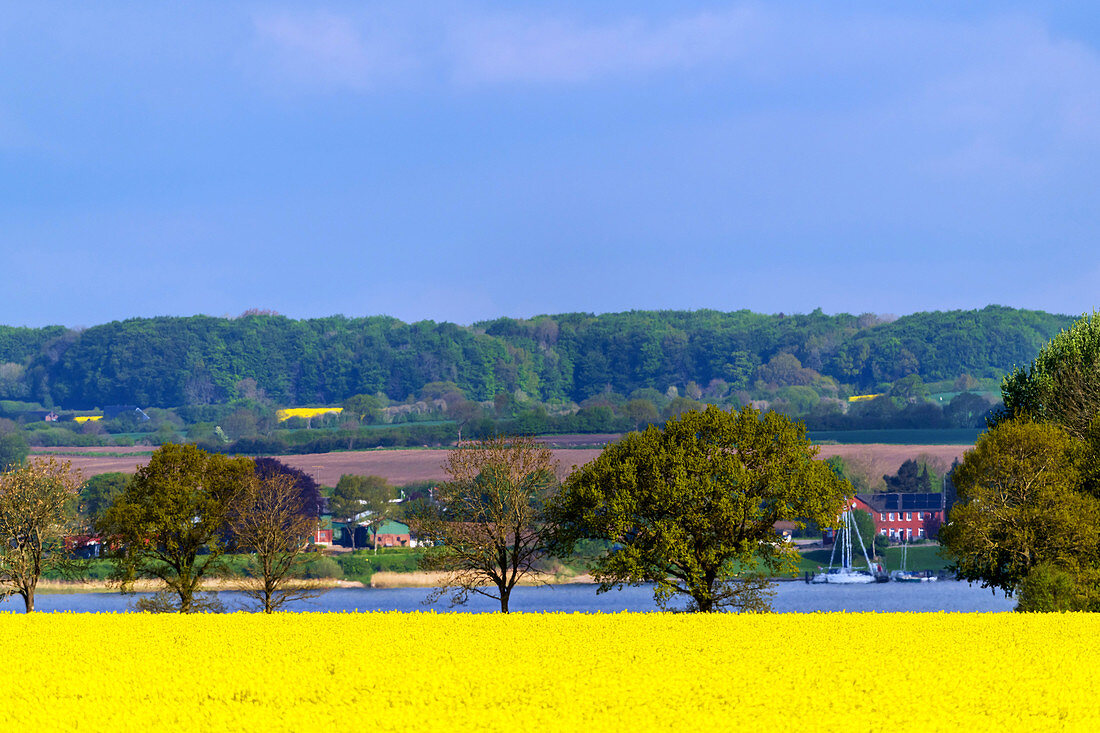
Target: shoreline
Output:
[(66, 587), (383, 579)]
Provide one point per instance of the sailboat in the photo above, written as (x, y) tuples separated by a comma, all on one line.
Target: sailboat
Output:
[(910, 576), (845, 573)]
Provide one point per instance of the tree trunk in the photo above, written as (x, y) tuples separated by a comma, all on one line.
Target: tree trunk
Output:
[(505, 592), (28, 598)]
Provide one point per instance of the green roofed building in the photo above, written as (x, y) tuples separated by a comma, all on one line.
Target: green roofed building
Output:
[(393, 534)]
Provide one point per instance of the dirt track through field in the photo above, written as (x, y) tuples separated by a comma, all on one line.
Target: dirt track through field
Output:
[(408, 466)]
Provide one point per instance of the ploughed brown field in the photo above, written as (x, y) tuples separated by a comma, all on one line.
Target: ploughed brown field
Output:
[(411, 465)]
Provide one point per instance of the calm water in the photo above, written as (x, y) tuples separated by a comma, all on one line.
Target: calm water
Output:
[(794, 597)]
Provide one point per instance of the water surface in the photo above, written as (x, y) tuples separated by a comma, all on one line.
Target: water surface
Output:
[(791, 597)]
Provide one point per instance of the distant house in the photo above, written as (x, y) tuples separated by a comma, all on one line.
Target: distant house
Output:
[(84, 546), (393, 534), (904, 517), (785, 529), (322, 536), (110, 412), (43, 415)]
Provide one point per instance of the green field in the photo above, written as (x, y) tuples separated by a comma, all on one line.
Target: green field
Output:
[(920, 557)]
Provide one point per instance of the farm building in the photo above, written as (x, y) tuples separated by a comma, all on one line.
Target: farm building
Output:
[(322, 536), (393, 534), (904, 517), (390, 534)]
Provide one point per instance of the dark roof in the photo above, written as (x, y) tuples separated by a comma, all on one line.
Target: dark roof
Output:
[(110, 412), (38, 414), (903, 502)]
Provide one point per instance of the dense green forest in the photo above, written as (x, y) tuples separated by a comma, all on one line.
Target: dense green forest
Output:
[(202, 360), (171, 362), (219, 382)]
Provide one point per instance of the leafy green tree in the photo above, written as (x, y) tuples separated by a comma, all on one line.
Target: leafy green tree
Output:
[(1062, 384), (36, 511), (366, 408), (910, 478), (362, 500), (100, 491), (170, 524), (640, 412), (464, 412), (690, 506), (680, 405), (1018, 506), (967, 410), (908, 390), (1047, 588), (487, 527), (13, 449), (844, 470)]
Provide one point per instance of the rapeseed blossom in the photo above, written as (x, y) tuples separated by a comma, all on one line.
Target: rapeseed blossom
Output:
[(549, 672), (305, 412)]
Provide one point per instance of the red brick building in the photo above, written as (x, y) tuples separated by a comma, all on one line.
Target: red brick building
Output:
[(904, 517)]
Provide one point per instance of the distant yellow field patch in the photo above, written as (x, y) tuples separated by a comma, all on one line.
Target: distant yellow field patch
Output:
[(306, 412), (863, 397), (87, 418), (535, 672)]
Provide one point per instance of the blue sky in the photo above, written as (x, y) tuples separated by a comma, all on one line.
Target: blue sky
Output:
[(462, 161)]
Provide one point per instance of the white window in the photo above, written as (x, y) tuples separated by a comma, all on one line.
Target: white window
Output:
[(883, 532), (891, 516), (920, 516), (881, 517), (908, 533), (920, 532), (909, 516)]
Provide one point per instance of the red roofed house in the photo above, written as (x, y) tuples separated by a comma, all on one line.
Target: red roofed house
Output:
[(904, 517)]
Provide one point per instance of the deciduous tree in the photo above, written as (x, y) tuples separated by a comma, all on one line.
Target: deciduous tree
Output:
[(37, 503), (1018, 506), (270, 520), (13, 448), (691, 506), (99, 491), (362, 500), (170, 524), (487, 524), (1062, 385)]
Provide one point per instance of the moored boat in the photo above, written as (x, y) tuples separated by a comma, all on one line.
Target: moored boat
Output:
[(845, 574)]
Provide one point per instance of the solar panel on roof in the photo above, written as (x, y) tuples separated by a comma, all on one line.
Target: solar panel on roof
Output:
[(904, 502)]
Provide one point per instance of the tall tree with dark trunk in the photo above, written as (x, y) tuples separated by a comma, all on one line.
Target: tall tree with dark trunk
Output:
[(487, 528), (692, 507), (269, 520), (37, 503), (170, 524)]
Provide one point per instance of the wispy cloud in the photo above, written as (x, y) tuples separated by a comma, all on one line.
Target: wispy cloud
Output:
[(333, 51), (518, 48), (365, 50)]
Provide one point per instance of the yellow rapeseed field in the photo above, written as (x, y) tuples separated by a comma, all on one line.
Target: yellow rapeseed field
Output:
[(305, 412), (552, 672)]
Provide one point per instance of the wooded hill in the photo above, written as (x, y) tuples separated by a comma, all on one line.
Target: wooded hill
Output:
[(174, 361)]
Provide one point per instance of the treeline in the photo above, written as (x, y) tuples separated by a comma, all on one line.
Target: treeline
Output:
[(171, 362)]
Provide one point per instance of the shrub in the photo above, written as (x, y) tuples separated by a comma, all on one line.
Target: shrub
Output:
[(322, 567)]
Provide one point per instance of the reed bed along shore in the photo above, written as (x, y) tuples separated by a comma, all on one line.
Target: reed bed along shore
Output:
[(426, 579), (435, 672)]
